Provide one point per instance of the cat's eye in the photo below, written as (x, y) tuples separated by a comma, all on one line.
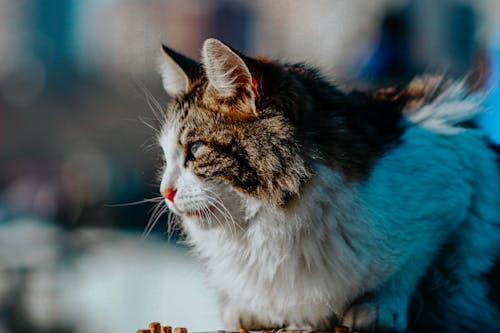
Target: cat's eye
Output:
[(194, 149)]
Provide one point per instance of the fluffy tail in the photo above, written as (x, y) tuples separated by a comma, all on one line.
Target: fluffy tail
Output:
[(443, 105)]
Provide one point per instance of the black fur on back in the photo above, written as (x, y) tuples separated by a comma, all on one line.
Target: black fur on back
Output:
[(347, 130)]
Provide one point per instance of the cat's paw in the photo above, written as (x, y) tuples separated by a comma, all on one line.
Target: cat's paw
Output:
[(235, 318), (231, 319), (297, 327), (375, 317)]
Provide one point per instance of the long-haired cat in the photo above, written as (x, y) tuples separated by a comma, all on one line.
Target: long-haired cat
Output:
[(313, 206)]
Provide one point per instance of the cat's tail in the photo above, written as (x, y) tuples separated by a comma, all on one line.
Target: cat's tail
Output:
[(442, 105)]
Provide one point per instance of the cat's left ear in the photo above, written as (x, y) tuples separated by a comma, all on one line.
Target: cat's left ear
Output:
[(228, 75), (177, 71)]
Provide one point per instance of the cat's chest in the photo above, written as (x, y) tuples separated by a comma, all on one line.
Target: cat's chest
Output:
[(280, 253)]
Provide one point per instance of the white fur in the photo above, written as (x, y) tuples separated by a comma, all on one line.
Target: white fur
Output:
[(450, 108), (298, 267)]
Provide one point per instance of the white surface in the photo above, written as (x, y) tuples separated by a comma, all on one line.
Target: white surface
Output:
[(117, 284)]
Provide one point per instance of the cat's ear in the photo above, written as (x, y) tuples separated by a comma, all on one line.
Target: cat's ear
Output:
[(177, 71), (228, 74)]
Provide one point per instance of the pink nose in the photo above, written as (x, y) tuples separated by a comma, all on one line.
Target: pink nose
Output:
[(169, 193)]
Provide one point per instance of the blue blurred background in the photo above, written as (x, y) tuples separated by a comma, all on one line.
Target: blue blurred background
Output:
[(75, 76)]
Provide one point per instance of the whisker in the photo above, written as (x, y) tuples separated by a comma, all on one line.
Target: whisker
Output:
[(146, 232), (169, 226), (206, 214), (148, 125), (172, 224), (154, 212), (155, 215), (155, 208), (156, 199), (205, 211), (219, 222), (147, 146), (214, 202), (152, 102), (217, 199), (157, 105), (221, 203)]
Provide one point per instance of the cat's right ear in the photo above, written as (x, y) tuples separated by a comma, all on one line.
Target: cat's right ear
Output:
[(177, 71)]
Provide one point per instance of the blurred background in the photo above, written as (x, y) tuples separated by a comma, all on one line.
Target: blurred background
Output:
[(77, 78)]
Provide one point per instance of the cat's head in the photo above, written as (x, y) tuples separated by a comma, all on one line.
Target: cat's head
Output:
[(228, 134)]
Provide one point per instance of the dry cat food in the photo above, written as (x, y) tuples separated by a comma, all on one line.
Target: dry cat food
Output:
[(156, 327)]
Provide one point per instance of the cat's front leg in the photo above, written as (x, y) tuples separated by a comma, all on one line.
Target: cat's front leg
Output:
[(231, 316), (235, 318), (384, 310), (377, 315)]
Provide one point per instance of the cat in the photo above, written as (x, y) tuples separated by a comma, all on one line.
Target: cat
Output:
[(312, 206)]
